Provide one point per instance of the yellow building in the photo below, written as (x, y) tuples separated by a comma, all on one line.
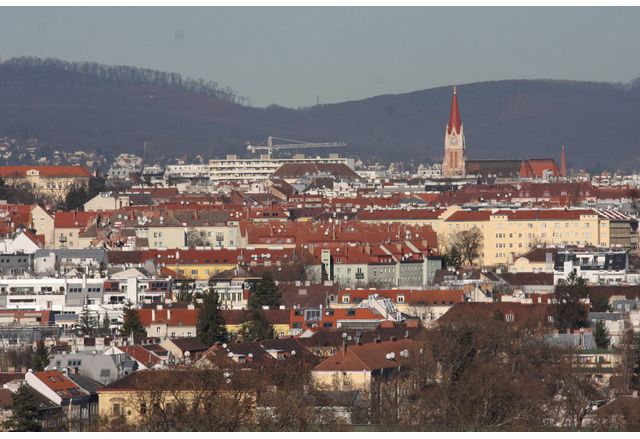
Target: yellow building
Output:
[(280, 319), (354, 367), (508, 234), (165, 392), (51, 181)]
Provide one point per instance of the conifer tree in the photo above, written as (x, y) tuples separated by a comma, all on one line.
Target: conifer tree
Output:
[(257, 327), (131, 321), (25, 412), (40, 359), (601, 335), (210, 326), (85, 321), (266, 294)]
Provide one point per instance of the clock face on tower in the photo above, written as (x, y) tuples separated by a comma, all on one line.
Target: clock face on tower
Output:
[(454, 140)]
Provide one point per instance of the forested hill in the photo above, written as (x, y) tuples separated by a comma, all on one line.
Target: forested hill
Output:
[(118, 108)]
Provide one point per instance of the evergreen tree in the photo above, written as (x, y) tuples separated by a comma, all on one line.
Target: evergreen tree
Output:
[(25, 412), (75, 198), (210, 326), (257, 327), (601, 335), (40, 359), (569, 310), (106, 325), (85, 321), (266, 294), (131, 321), (185, 293)]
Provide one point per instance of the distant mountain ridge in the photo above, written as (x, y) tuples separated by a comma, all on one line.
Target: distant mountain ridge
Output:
[(117, 109)]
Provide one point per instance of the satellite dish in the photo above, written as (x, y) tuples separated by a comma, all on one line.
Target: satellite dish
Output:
[(293, 353), (224, 345), (187, 354)]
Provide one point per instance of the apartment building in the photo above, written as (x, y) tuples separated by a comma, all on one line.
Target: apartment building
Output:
[(509, 233)]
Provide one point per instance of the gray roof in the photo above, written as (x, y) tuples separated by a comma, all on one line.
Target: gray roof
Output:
[(608, 316), (87, 253)]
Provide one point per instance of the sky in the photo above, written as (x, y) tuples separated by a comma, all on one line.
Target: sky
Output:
[(297, 56)]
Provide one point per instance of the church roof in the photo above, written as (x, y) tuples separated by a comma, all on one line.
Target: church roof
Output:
[(454, 117)]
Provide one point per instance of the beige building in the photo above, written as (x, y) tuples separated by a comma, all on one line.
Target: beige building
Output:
[(508, 234), (354, 367), (43, 222), (107, 201), (50, 181)]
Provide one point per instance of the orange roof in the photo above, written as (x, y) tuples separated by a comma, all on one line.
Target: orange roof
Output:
[(45, 171), (536, 168), (59, 383), (370, 356), (411, 296), (545, 214), (470, 215), (141, 355), (172, 316), (67, 220)]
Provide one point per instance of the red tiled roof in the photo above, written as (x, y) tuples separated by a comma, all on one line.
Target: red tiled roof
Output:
[(470, 215), (545, 214), (399, 214), (67, 220), (411, 296), (524, 315), (536, 167), (44, 171), (56, 381), (455, 122), (141, 355), (178, 316), (369, 356)]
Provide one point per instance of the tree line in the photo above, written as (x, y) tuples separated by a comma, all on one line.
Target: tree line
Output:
[(51, 71)]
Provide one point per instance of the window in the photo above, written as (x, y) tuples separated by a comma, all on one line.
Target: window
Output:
[(345, 299), (400, 299), (143, 409), (116, 409), (351, 312), (509, 317)]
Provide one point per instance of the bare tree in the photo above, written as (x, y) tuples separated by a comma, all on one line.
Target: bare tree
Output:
[(468, 243)]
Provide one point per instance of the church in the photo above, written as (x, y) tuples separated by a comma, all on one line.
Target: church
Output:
[(456, 166)]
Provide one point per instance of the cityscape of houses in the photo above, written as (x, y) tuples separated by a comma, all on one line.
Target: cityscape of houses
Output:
[(309, 292)]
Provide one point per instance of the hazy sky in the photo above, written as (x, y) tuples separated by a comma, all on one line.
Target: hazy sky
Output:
[(289, 56)]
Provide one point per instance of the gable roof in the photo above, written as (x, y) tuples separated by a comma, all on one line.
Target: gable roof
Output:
[(369, 356)]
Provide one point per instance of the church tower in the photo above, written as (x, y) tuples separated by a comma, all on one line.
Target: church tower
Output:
[(453, 164)]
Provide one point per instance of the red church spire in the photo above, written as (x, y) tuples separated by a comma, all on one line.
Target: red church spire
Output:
[(455, 123), (563, 164)]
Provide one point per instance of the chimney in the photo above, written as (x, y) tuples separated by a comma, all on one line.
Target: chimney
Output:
[(563, 164), (153, 314)]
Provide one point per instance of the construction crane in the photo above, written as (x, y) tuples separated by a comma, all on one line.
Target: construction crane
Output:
[(270, 147)]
